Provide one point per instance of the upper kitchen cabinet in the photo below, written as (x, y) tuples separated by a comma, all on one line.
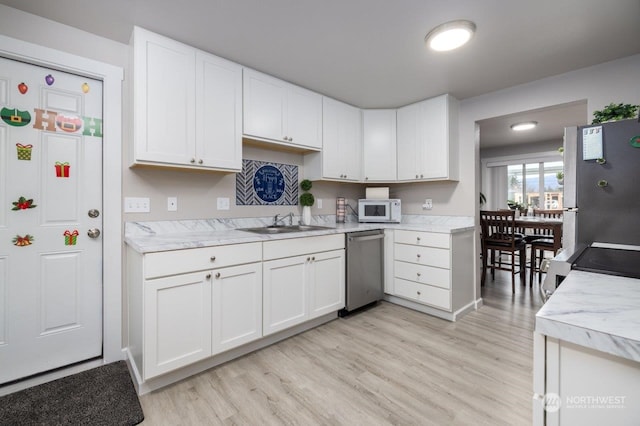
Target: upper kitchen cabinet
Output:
[(341, 154), (379, 145), (278, 112), (428, 140), (187, 106)]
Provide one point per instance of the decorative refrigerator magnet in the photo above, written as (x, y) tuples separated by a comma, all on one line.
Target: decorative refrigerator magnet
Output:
[(49, 80), (19, 241), (23, 204), (15, 117), (23, 88), (85, 88), (62, 169), (24, 151), (70, 238)]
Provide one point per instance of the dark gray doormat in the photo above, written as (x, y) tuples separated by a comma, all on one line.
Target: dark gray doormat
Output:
[(101, 396)]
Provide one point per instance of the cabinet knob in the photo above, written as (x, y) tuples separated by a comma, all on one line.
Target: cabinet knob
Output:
[(285, 138), (200, 161), (416, 176), (313, 258), (193, 160), (418, 273), (345, 176), (418, 255), (418, 293), (290, 139), (421, 176), (366, 178), (308, 259), (208, 276), (218, 275), (418, 238), (213, 258)]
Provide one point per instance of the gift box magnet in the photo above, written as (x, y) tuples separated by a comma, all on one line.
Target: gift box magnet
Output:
[(24, 151), (70, 237), (62, 169)]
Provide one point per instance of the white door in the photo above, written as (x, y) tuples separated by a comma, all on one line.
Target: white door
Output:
[(50, 181)]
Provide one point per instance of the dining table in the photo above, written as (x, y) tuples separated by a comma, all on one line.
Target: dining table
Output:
[(542, 223)]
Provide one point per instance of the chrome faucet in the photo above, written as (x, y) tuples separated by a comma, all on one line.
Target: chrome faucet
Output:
[(276, 220)]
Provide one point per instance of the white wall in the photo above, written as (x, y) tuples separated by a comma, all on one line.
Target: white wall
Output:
[(615, 81)]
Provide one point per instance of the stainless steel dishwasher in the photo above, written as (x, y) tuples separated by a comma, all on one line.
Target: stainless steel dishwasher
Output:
[(365, 269)]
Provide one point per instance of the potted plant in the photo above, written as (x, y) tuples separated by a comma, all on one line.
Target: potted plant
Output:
[(306, 201), (560, 177), (518, 207), (614, 112)]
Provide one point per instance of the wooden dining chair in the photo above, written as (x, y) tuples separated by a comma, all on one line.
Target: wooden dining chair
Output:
[(498, 235), (541, 242)]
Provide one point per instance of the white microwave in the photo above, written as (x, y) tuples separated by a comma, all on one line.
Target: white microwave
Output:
[(379, 211)]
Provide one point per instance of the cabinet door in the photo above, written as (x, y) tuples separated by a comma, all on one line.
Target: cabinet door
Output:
[(284, 293), (264, 106), (434, 134), (177, 322), (237, 306), (379, 144), (164, 99), (303, 122), (408, 141), (218, 113), (342, 141), (326, 283)]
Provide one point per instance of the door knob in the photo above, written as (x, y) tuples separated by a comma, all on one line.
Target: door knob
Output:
[(93, 213), (93, 233)]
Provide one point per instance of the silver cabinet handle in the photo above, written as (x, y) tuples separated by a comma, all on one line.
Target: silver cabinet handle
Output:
[(308, 259), (218, 275), (313, 259), (285, 138), (418, 293), (193, 160), (416, 176), (418, 238), (213, 258), (93, 233), (419, 274), (208, 276), (418, 255), (200, 161)]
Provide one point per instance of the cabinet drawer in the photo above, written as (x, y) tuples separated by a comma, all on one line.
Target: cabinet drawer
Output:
[(190, 260), (304, 245), (428, 239), (430, 256), (423, 274), (429, 295)]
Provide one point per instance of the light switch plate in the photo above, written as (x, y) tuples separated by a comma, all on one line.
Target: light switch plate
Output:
[(319, 203), (136, 205), (223, 203), (172, 204), (428, 204)]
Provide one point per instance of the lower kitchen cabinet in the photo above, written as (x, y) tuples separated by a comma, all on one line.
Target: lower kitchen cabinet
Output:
[(177, 322), (424, 273), (306, 284), (237, 306)]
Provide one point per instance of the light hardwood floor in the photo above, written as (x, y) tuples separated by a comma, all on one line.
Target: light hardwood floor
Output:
[(386, 365)]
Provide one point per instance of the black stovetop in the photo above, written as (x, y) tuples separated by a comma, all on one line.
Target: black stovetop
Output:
[(612, 261)]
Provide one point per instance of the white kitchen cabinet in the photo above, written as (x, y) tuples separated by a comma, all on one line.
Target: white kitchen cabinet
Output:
[(280, 112), (187, 106), (340, 158), (432, 272), (237, 306), (379, 145), (427, 140), (303, 279), (177, 322)]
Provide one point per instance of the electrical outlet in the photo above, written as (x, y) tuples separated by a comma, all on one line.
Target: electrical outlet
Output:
[(319, 203), (136, 205), (428, 204), (223, 203), (172, 204)]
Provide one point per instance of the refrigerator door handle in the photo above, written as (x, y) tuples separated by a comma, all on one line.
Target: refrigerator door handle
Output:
[(571, 209)]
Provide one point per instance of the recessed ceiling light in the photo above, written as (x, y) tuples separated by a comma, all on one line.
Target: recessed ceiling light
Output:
[(450, 35), (527, 125)]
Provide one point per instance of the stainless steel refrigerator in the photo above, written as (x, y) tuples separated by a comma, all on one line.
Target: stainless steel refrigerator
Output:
[(601, 226)]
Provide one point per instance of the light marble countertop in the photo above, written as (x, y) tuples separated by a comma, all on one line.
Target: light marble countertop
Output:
[(597, 311), (147, 237)]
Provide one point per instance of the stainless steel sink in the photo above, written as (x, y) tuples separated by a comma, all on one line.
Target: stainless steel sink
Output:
[(284, 229)]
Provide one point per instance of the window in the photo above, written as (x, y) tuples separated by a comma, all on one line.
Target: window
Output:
[(535, 184)]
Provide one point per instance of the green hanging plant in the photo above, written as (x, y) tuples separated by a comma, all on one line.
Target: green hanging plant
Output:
[(614, 112)]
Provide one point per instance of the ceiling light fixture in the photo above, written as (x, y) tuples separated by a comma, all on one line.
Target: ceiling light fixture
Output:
[(450, 35), (527, 125)]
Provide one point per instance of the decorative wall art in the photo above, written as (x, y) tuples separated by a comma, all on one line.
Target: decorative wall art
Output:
[(264, 183), (20, 241), (23, 204)]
